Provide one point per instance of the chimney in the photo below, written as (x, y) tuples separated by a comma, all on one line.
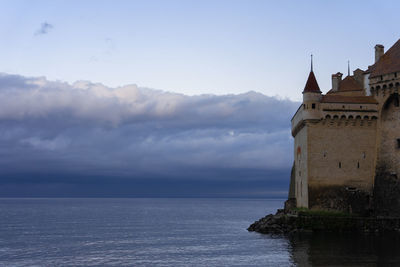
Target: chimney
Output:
[(359, 76), (379, 51), (336, 79)]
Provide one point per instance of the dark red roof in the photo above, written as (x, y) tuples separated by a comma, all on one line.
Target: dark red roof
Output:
[(388, 63), (331, 98), (349, 84), (311, 85)]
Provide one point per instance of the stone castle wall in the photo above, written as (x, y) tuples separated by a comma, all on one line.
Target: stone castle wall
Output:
[(341, 174), (344, 149), (301, 167)]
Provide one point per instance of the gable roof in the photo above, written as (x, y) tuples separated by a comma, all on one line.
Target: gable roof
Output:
[(311, 85), (388, 63), (349, 84)]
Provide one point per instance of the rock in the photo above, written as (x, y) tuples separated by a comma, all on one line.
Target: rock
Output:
[(282, 223)]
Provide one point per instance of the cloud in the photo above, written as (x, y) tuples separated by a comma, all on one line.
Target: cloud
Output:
[(44, 28), (88, 133)]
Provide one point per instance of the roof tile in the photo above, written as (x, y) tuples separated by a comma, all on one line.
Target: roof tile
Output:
[(349, 84), (348, 99), (311, 85), (388, 63)]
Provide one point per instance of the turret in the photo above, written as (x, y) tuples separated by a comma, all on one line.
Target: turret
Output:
[(311, 93), (310, 108)]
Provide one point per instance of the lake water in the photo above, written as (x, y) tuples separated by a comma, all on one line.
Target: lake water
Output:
[(170, 232)]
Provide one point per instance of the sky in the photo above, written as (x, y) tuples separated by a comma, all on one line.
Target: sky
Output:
[(167, 98)]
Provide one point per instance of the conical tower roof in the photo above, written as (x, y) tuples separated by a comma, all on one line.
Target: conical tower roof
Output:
[(311, 85)]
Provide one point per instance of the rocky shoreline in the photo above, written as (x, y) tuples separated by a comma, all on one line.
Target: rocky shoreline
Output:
[(289, 223)]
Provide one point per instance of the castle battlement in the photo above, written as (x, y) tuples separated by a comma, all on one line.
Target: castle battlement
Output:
[(349, 121)]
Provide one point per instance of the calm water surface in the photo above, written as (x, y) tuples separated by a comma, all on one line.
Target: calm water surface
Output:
[(170, 232)]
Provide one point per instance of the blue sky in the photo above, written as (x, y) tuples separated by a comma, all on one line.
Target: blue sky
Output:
[(194, 47), (167, 98)]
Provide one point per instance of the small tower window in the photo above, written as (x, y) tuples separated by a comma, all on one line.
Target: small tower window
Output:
[(301, 188), (313, 105), (358, 165), (340, 165), (398, 142)]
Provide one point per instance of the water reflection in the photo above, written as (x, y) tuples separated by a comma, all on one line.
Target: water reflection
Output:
[(333, 249)]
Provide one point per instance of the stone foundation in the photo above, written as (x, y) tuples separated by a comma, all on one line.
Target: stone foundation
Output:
[(386, 193), (340, 198)]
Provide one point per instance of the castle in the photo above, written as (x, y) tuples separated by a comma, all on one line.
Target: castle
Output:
[(347, 141)]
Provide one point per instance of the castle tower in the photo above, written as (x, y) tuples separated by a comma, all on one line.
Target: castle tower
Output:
[(309, 112)]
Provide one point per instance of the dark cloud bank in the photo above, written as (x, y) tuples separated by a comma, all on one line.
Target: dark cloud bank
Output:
[(86, 139)]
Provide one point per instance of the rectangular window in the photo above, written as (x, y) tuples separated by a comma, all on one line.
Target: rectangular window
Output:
[(301, 188), (313, 106), (340, 164), (398, 142)]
